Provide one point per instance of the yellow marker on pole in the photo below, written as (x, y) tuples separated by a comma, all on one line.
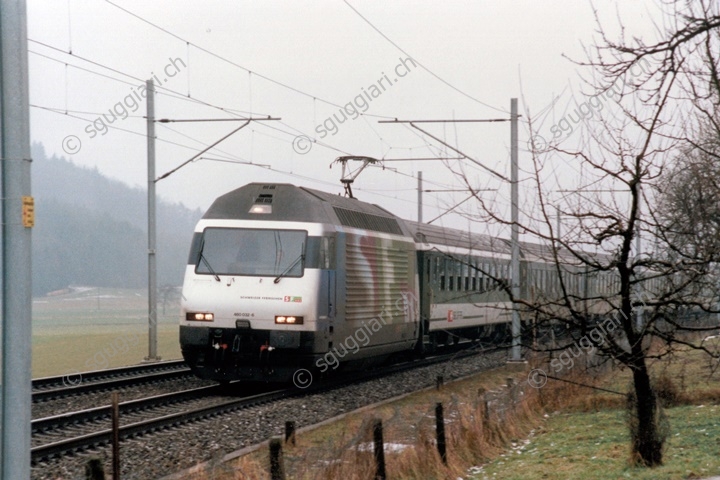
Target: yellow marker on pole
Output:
[(28, 211)]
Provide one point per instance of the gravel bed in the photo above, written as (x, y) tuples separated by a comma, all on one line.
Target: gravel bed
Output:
[(173, 450), (91, 400)]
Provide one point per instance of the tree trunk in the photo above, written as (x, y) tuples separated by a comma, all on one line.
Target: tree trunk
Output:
[(647, 443)]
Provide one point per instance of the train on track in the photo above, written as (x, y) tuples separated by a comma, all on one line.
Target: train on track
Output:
[(282, 278)]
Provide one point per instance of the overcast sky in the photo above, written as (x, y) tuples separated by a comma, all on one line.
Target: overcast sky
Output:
[(302, 62)]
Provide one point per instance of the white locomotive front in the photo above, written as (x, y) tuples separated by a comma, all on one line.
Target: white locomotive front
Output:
[(282, 278)]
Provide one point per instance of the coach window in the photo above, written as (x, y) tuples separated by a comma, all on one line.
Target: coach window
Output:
[(575, 288), (533, 278), (470, 274), (453, 274), (461, 274), (456, 274), (474, 275), (441, 267), (460, 271), (436, 271), (569, 284)]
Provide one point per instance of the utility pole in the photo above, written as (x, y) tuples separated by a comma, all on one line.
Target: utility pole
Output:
[(514, 232), (152, 180), (558, 235), (18, 218), (152, 259), (419, 197)]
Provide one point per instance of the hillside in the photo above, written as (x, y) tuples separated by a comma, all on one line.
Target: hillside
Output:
[(91, 230)]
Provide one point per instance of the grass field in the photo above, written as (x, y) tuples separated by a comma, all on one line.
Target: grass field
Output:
[(94, 328), (595, 445)]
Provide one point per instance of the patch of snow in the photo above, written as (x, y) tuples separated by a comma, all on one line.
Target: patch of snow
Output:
[(388, 447)]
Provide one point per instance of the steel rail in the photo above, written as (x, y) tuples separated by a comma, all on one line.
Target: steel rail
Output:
[(46, 424), (50, 388), (102, 437)]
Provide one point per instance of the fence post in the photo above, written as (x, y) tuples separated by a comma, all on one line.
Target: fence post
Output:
[(116, 435), (290, 432), (439, 382), (487, 408), (440, 427), (512, 391), (379, 450), (94, 470), (277, 472)]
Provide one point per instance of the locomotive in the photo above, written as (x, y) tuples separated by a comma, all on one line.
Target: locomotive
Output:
[(282, 278)]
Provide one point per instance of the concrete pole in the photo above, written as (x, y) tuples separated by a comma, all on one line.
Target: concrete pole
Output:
[(558, 235), (152, 265), (17, 220), (514, 232), (420, 187)]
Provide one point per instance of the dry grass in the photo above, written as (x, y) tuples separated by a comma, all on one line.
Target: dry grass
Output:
[(474, 435)]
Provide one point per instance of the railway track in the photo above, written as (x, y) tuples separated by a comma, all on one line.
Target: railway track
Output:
[(77, 431), (50, 388)]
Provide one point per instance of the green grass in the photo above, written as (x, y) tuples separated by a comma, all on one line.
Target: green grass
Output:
[(97, 328), (596, 445)]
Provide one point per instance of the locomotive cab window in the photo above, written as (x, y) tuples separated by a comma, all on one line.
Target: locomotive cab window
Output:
[(253, 252)]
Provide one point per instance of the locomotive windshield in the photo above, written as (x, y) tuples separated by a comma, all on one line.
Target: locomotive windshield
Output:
[(243, 251)]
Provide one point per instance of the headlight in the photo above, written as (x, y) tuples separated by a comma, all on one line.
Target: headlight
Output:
[(288, 320), (199, 317)]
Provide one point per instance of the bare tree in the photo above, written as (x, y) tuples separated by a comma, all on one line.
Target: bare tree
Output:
[(649, 104), (689, 200)]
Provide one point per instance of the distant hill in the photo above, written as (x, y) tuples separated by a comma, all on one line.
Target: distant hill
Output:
[(92, 230)]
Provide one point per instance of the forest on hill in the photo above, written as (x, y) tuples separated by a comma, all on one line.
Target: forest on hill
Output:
[(92, 230)]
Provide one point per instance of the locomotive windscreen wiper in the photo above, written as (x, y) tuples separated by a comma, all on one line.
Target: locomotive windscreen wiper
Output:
[(204, 260), (292, 265)]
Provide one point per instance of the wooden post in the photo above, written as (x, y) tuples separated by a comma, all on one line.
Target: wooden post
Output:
[(439, 382), (379, 450), (440, 427), (116, 436), (290, 432), (94, 470), (277, 472), (512, 391), (487, 408)]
